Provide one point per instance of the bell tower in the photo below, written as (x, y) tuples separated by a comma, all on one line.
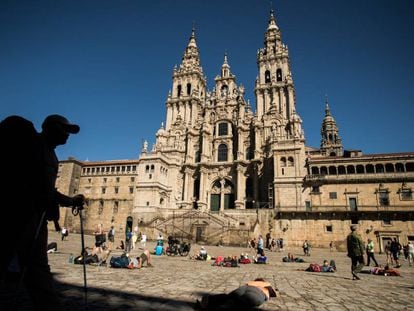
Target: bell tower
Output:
[(279, 137), (331, 143), (274, 86), (274, 89), (189, 88)]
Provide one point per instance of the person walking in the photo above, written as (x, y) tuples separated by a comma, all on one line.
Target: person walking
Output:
[(410, 247), (370, 253), (388, 253), (260, 246), (134, 239), (111, 238), (355, 247), (395, 249)]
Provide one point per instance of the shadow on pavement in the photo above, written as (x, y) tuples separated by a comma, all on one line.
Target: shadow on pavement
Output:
[(73, 297)]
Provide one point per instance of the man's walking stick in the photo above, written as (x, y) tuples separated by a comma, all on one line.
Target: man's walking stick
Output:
[(75, 212)]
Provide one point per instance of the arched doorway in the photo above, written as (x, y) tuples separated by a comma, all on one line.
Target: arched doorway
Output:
[(222, 195)]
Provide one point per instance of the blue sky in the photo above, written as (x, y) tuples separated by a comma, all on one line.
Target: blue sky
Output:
[(107, 65)]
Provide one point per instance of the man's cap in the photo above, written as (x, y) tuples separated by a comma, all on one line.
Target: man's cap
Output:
[(353, 227), (56, 119)]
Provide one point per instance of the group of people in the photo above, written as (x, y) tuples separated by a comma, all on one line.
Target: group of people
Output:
[(357, 249), (395, 250), (271, 244)]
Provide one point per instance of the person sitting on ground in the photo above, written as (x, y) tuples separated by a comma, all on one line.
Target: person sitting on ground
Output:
[(160, 240), (328, 267), (121, 246), (291, 258), (260, 258), (145, 257), (51, 247), (246, 297), (325, 267), (386, 271), (102, 252), (202, 254), (244, 258), (159, 249)]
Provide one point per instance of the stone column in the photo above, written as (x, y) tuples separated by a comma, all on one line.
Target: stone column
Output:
[(222, 194), (255, 183), (241, 188), (259, 96), (291, 101), (169, 116)]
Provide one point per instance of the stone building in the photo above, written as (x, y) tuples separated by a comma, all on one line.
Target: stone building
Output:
[(221, 171)]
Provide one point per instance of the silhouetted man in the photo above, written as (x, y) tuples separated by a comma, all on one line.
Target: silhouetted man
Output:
[(35, 200)]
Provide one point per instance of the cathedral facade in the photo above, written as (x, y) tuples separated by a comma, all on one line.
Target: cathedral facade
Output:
[(221, 171)]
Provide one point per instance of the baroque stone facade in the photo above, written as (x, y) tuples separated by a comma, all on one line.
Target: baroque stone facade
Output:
[(221, 171)]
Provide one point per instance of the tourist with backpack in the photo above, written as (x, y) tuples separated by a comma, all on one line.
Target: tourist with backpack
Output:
[(395, 249), (28, 153), (355, 247)]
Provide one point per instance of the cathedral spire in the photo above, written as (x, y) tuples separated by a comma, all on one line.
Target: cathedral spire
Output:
[(331, 143), (189, 88), (327, 109), (272, 21), (225, 68), (191, 57)]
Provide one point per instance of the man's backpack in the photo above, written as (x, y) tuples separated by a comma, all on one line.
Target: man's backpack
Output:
[(314, 267), (119, 262)]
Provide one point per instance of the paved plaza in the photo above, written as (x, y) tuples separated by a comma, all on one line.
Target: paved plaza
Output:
[(174, 283)]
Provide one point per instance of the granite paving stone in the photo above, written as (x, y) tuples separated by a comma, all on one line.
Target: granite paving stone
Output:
[(174, 283)]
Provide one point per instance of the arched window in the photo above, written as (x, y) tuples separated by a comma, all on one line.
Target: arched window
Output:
[(360, 169), (179, 90), (152, 168), (188, 88), (291, 162), (341, 170), (147, 169), (379, 168), (409, 167), (332, 170), (224, 90), (389, 168), (369, 168), (222, 153), (283, 162), (324, 170), (399, 167), (196, 193), (197, 157), (267, 76), (350, 169), (249, 153), (223, 129), (279, 75), (315, 170), (332, 154), (249, 187), (330, 138)]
